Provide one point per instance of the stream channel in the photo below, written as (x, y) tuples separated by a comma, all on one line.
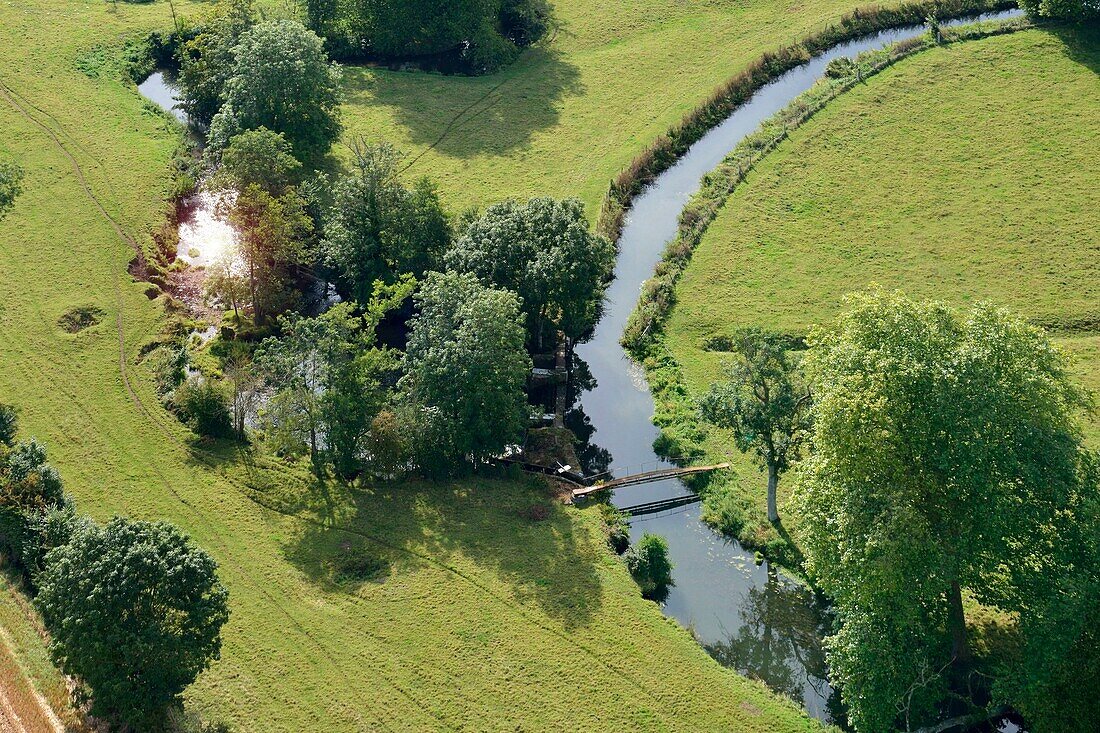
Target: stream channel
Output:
[(748, 617)]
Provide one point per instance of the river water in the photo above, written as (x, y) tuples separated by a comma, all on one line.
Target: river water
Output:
[(748, 617)]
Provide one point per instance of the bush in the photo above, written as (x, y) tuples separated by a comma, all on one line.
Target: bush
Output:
[(169, 368), (615, 527), (649, 564), (9, 424), (204, 406)]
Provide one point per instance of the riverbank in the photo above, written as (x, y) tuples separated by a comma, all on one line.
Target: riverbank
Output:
[(764, 263)]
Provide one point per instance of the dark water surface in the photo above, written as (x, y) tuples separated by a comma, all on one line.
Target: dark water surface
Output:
[(749, 618)]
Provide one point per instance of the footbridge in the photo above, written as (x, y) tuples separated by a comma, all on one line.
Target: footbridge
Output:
[(646, 477)]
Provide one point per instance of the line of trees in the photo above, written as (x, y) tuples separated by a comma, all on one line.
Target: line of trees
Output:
[(946, 464), (134, 609), (491, 288), (477, 36)]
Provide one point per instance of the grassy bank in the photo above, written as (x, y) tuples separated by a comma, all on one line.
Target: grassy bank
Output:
[(960, 173), (406, 608), (575, 111)]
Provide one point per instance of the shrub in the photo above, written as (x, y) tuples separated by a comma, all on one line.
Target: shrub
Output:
[(204, 406), (9, 424), (615, 527), (81, 317), (649, 564), (169, 368)]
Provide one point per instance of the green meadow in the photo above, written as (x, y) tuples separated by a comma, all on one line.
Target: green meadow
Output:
[(477, 616), (964, 173), (574, 111)]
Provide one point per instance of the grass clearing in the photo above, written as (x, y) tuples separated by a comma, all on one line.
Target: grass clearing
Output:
[(481, 617), (964, 173), (571, 113)]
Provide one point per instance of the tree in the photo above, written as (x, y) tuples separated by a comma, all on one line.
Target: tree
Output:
[(28, 484), (764, 402), (377, 229), (226, 283), (11, 185), (272, 234), (466, 369), (1079, 10), (282, 81), (258, 157), (649, 564), (481, 34), (946, 457), (544, 252), (1057, 688), (134, 611), (327, 381), (207, 62)]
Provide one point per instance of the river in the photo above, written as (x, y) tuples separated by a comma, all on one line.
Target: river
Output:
[(748, 617)]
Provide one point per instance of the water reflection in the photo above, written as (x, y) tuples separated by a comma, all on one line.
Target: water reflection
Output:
[(779, 639)]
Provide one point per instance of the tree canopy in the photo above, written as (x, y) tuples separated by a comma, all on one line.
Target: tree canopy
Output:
[(1079, 10), (258, 157), (764, 402), (282, 80), (378, 229), (481, 34), (466, 369), (326, 375), (135, 612), (543, 251), (207, 61), (946, 457)]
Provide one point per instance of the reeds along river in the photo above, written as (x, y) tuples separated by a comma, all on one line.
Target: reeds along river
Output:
[(748, 617)]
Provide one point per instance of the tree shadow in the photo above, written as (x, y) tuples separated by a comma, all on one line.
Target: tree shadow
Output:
[(508, 530), (464, 116), (1082, 42), (779, 640)]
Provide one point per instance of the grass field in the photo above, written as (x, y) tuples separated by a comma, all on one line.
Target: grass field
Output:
[(964, 173), (572, 112), (486, 620)]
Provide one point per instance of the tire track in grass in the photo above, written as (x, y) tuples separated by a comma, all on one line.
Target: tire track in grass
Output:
[(517, 608), (6, 92)]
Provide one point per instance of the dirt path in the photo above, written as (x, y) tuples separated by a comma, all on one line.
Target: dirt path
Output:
[(22, 708)]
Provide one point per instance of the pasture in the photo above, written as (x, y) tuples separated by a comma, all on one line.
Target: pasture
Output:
[(573, 111), (399, 607), (964, 173)]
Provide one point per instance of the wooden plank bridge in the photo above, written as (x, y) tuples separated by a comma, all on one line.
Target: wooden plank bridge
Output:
[(647, 477)]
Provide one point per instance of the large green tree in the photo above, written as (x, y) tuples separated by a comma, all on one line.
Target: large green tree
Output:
[(466, 369), (273, 239), (281, 80), (258, 157), (207, 61), (377, 228), (134, 611), (543, 251), (326, 375), (764, 402), (946, 458)]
